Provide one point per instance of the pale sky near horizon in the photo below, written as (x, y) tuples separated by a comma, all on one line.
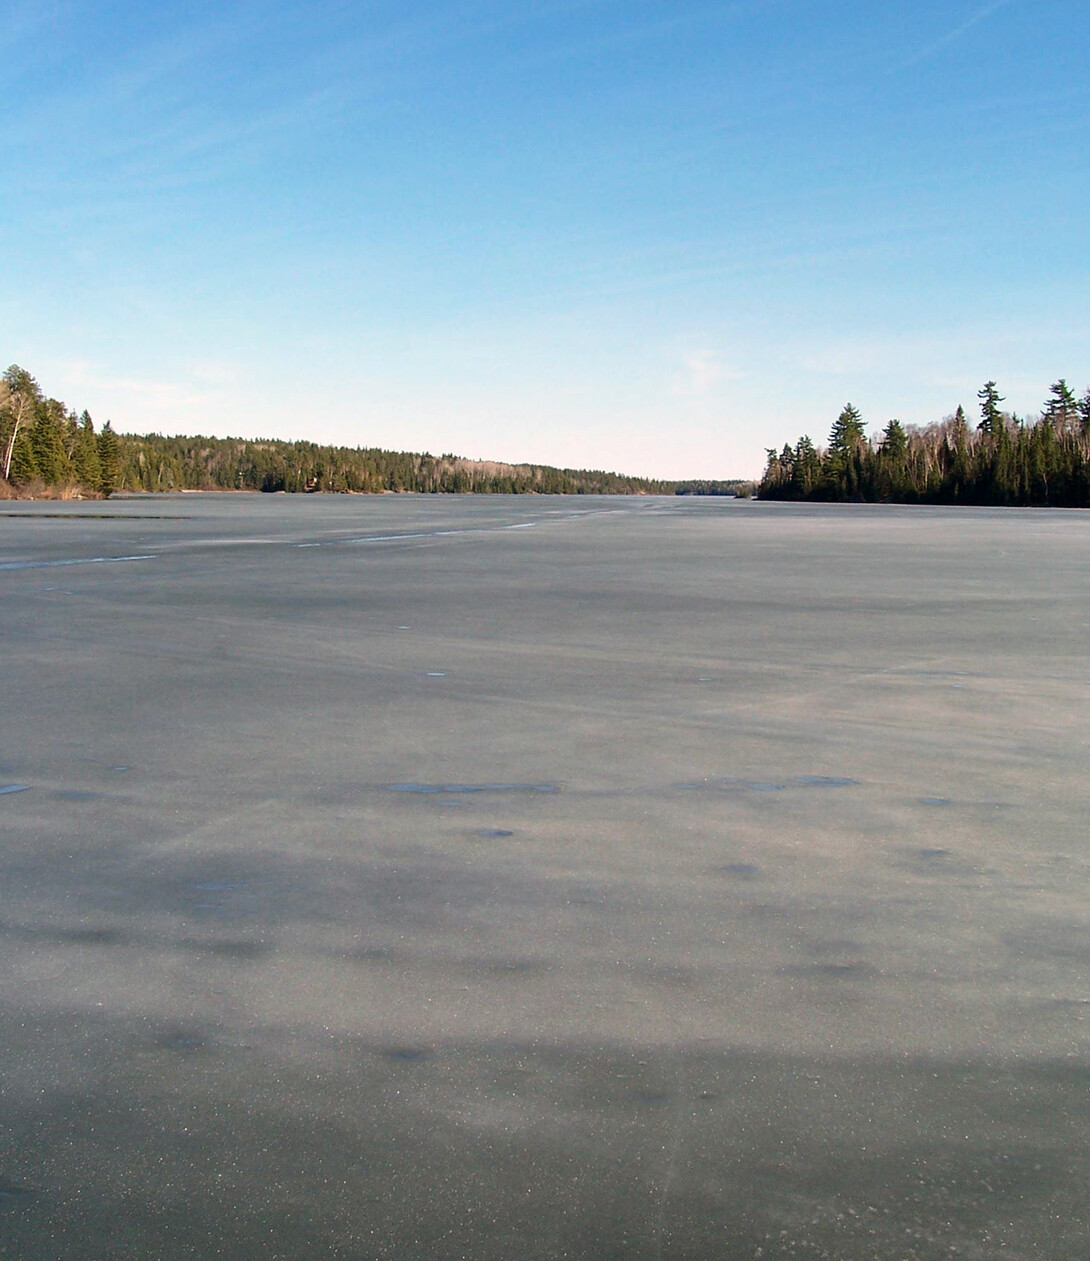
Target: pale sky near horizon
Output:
[(650, 237)]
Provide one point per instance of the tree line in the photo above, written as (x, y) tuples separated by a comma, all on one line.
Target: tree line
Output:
[(43, 443), (47, 447), (1041, 461)]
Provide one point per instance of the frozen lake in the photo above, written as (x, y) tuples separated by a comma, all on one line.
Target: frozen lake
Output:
[(414, 877)]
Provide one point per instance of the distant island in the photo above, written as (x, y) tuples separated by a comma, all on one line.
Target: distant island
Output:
[(1041, 461), (48, 451)]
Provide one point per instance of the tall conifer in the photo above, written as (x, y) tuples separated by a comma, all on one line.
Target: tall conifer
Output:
[(108, 456)]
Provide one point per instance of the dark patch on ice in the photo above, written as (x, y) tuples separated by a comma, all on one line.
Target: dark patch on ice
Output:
[(728, 783), (14, 1195), (490, 833), (939, 862), (1071, 944), (742, 871), (435, 789), (407, 1054), (91, 936), (13, 788), (834, 971), (76, 794), (653, 1098), (767, 911), (935, 801), (181, 1040), (246, 951)]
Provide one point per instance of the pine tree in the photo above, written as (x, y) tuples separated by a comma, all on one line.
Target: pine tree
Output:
[(1061, 408), (991, 417)]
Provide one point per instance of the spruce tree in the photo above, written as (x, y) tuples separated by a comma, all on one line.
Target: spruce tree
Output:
[(806, 469), (892, 476), (108, 456), (47, 442), (85, 457), (846, 442), (894, 440), (24, 467), (959, 472)]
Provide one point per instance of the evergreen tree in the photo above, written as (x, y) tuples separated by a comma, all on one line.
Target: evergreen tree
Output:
[(85, 459), (47, 442), (991, 418), (959, 464), (848, 433), (1061, 409), (24, 467), (108, 457), (894, 441), (847, 442), (1008, 462), (892, 473), (806, 468)]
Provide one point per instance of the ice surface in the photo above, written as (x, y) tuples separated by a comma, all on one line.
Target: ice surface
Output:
[(762, 927)]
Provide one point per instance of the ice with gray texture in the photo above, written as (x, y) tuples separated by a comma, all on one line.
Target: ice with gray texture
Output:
[(418, 877)]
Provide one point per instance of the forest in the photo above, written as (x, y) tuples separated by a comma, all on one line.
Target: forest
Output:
[(48, 450), (1039, 461)]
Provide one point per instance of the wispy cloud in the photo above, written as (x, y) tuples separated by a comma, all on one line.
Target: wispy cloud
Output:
[(944, 41), (151, 394), (24, 21), (700, 371)]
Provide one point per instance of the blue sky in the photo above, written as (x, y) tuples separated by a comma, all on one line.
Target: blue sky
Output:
[(651, 237)]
